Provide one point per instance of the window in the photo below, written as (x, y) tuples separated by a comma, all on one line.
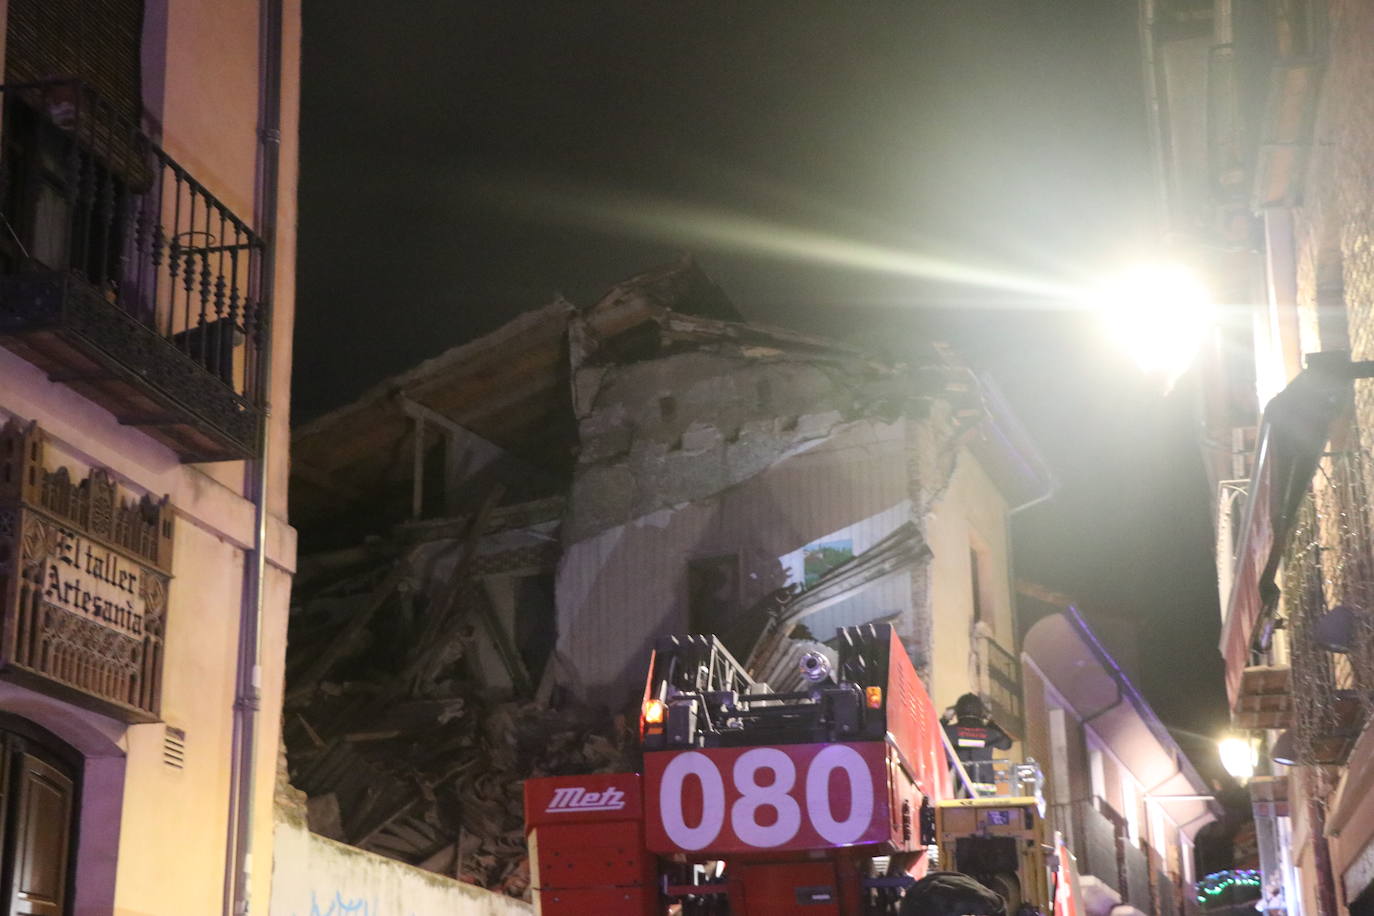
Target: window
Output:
[(820, 557), (535, 625), (1097, 773), (1059, 756), (68, 208), (1130, 807), (1158, 839), (713, 601), (976, 585)]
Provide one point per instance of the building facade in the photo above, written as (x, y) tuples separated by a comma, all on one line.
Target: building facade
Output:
[(148, 196), (1118, 788), (497, 537), (719, 482), (1263, 117)]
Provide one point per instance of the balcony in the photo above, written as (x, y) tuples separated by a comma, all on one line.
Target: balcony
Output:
[(1105, 851), (124, 278), (1004, 689), (1168, 893), (1095, 829), (1269, 796), (1262, 80), (1135, 869), (1265, 698)]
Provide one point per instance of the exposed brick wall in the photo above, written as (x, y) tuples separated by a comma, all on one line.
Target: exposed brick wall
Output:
[(1335, 222), (1334, 234)]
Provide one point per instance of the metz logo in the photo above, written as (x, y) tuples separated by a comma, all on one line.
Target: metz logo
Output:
[(576, 798)]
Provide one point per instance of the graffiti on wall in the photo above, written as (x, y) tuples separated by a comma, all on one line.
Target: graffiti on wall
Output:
[(344, 906), (313, 876)]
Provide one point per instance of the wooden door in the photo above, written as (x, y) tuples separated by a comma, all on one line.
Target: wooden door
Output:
[(37, 810)]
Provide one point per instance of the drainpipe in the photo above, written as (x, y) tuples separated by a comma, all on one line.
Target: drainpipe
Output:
[(1153, 105), (248, 691), (1050, 490), (1321, 857)]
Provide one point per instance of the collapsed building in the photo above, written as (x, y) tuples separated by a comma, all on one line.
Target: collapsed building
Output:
[(492, 541)]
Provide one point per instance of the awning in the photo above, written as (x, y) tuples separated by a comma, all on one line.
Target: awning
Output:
[(1069, 656)]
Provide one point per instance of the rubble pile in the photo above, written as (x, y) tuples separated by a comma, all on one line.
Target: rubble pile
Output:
[(400, 746), (554, 496)]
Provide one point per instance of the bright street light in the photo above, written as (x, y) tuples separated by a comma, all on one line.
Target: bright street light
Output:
[(1159, 314), (1238, 756)]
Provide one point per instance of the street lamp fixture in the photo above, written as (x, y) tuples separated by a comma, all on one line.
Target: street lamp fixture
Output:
[(1238, 756)]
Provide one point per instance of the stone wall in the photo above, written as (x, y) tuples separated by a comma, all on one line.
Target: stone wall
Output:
[(684, 427), (1335, 221), (1334, 240)]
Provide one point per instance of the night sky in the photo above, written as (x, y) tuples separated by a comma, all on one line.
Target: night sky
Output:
[(828, 164)]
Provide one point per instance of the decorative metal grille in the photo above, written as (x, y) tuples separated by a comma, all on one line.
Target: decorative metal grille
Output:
[(1004, 689), (1137, 871), (1096, 836), (84, 577), (1328, 600), (1166, 894)]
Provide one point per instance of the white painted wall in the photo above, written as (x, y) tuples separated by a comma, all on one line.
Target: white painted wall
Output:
[(971, 513), (313, 876), (620, 589)]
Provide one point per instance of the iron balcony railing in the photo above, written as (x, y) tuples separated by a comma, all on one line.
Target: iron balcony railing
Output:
[(112, 245), (1102, 833), (1004, 689), (1102, 843), (1168, 891), (1136, 871)]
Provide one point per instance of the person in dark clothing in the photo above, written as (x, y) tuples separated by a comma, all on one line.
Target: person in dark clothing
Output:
[(975, 736), (947, 893)]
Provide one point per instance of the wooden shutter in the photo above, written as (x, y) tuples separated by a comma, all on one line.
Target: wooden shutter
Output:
[(95, 41), (40, 826)]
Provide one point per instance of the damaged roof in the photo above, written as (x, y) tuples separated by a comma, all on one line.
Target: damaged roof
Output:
[(513, 388)]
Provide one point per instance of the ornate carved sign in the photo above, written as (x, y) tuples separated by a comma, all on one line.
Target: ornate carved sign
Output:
[(83, 578)]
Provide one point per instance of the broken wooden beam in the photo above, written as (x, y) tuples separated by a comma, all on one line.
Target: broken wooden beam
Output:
[(339, 646)]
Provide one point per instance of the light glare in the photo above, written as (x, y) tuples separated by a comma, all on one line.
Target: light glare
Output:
[(1159, 314), (1238, 757), (698, 227)]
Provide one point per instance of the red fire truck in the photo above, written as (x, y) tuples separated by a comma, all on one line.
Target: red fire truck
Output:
[(814, 801)]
